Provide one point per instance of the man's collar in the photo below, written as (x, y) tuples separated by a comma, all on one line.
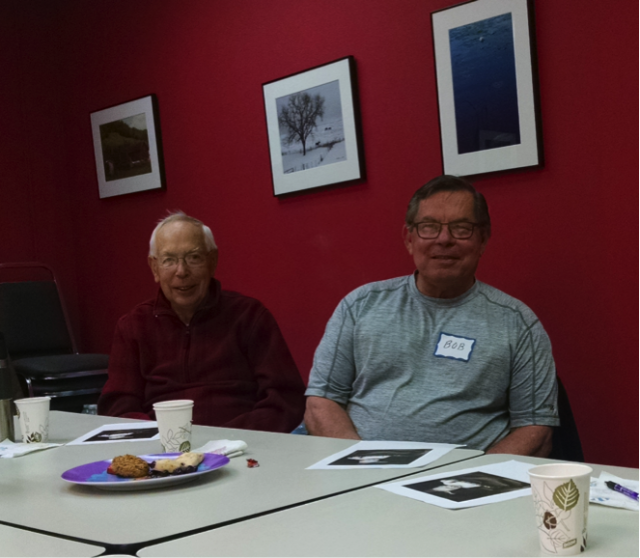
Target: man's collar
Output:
[(461, 298), (163, 306)]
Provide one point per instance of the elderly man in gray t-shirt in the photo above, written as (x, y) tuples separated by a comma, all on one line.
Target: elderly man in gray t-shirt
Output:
[(437, 356)]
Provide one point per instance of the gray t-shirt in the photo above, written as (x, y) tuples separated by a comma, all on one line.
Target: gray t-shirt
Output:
[(410, 367)]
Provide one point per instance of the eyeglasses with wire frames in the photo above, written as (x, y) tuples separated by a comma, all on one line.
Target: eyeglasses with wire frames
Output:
[(193, 260), (460, 230)]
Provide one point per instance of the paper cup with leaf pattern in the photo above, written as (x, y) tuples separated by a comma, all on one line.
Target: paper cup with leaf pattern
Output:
[(174, 424), (561, 502), (33, 414)]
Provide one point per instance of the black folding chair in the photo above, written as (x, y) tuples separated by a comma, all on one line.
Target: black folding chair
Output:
[(40, 342), (566, 440)]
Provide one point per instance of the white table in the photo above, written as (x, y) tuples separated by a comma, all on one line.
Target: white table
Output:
[(374, 522), (18, 542), (230, 494)]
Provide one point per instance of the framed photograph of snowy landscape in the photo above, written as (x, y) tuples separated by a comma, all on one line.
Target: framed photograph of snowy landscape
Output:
[(313, 124), (127, 147), (487, 83)]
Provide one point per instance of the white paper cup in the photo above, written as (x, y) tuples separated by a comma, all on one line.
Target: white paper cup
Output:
[(33, 414), (561, 501), (174, 424)]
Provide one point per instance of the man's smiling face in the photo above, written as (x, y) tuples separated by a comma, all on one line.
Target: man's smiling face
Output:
[(185, 287), (446, 265)]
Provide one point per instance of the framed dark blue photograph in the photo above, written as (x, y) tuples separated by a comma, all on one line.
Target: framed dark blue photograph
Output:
[(487, 86)]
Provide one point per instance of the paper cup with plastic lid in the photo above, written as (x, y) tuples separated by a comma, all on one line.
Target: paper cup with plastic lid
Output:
[(33, 415), (561, 502), (174, 424)]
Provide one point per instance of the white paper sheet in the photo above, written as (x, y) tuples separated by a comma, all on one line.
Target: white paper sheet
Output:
[(601, 494), (385, 455), (123, 432), (9, 449), (230, 448), (467, 488)]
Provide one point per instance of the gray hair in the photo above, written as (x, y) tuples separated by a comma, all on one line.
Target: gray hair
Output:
[(449, 183), (209, 242)]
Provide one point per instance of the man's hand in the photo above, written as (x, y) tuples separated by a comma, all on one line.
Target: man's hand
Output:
[(324, 417), (527, 440)]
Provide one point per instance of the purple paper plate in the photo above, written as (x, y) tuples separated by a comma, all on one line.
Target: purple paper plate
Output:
[(95, 474)]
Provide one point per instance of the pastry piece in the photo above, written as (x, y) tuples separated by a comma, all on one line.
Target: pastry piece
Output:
[(185, 463), (129, 466)]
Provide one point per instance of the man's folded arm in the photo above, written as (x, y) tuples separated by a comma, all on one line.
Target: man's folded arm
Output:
[(122, 395), (117, 404), (324, 417), (280, 404), (331, 379), (533, 397), (535, 441)]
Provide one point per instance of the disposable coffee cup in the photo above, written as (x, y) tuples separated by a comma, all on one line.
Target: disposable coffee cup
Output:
[(33, 415), (561, 502), (174, 424)]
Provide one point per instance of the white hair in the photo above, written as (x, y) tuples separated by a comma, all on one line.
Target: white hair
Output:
[(209, 242)]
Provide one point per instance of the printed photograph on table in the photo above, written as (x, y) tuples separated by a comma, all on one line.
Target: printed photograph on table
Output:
[(487, 86), (313, 127), (125, 434), (475, 486), (382, 457), (470, 486), (127, 147), (120, 432)]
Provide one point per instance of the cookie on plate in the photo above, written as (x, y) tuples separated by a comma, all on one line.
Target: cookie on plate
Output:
[(129, 466), (185, 463)]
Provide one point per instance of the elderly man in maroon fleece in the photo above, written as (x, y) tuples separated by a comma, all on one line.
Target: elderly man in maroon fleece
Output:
[(196, 341)]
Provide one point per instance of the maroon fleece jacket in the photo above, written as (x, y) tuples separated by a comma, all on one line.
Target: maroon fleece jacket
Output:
[(231, 360)]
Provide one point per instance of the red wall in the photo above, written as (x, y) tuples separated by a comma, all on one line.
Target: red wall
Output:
[(564, 236), (35, 192)]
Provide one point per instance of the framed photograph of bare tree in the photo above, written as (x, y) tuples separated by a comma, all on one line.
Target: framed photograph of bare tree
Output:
[(127, 147), (487, 86), (313, 124)]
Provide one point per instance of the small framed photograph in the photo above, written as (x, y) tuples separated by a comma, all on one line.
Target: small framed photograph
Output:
[(128, 148), (313, 124), (487, 86)]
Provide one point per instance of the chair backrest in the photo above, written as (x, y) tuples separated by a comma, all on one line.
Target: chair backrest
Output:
[(566, 440), (32, 319)]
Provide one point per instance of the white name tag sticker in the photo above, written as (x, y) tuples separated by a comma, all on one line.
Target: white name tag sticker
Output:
[(453, 346)]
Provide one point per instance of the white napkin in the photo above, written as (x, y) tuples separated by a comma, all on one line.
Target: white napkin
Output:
[(230, 448), (601, 494), (10, 449)]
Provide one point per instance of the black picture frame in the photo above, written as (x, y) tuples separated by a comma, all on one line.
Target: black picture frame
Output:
[(314, 128), (128, 148), (487, 84)]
